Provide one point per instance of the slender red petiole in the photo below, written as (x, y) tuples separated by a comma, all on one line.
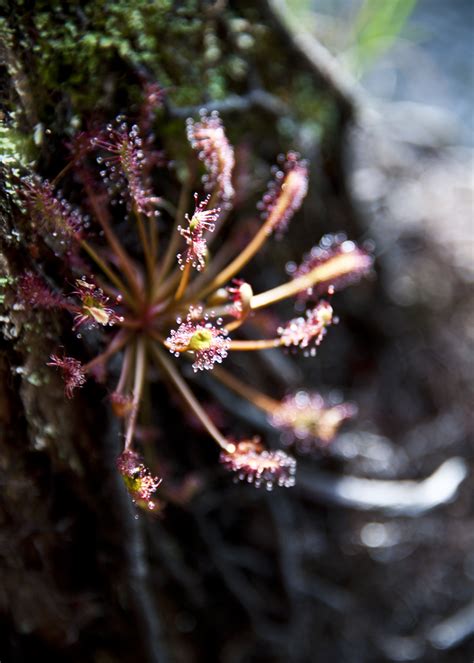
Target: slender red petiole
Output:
[(190, 400), (116, 344), (139, 378), (114, 243)]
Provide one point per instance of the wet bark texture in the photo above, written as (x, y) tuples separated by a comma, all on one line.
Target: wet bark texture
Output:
[(310, 574)]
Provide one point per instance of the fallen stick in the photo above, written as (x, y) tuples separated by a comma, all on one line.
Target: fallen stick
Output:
[(407, 498)]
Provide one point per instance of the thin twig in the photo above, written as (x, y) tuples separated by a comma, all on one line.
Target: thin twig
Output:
[(409, 498), (236, 104)]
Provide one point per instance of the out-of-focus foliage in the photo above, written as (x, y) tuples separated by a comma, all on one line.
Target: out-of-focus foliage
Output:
[(78, 43), (359, 31), (376, 27)]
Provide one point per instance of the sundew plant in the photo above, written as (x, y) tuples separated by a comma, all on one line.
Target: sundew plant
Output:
[(180, 298)]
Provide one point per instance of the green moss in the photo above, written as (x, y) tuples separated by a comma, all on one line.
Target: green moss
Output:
[(87, 59), (16, 148), (18, 152), (74, 48), (5, 282)]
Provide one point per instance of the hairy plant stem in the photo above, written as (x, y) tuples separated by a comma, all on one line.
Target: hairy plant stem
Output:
[(224, 213), (334, 268), (235, 345), (168, 284), (189, 399)]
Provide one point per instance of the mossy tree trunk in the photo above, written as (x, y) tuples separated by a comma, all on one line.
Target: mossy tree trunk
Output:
[(82, 579)]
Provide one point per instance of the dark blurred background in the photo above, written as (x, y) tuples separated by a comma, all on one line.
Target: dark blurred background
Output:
[(370, 557)]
